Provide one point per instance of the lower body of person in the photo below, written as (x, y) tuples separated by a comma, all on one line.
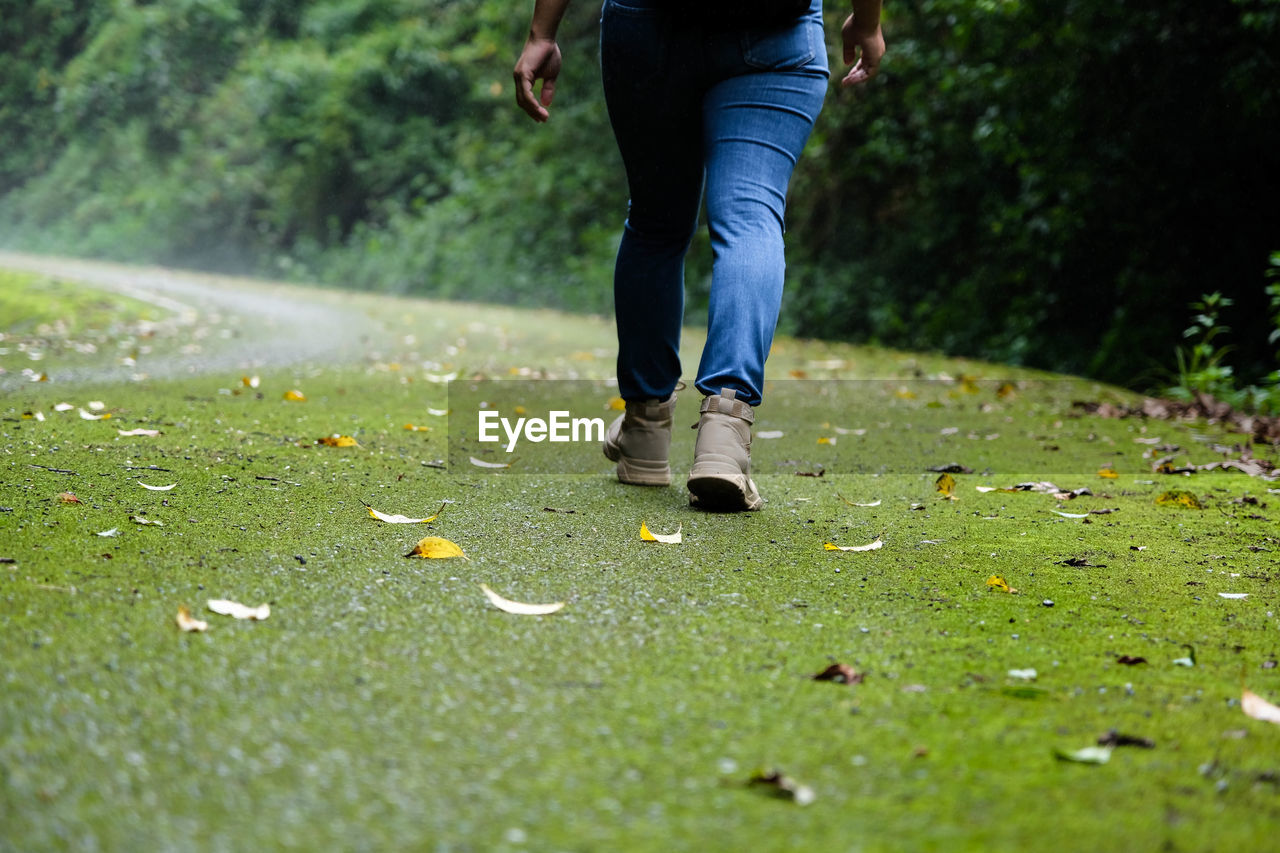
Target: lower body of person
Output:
[(702, 110)]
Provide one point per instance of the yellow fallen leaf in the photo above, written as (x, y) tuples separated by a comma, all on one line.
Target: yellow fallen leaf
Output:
[(520, 608), (1108, 473), (236, 610), (480, 463), (904, 394), (435, 548), (999, 584), (1178, 498), (416, 428), (826, 439), (249, 381), (404, 519), (968, 384), (665, 538), (946, 486), (1258, 708), (139, 431), (874, 546), (157, 488), (295, 396), (336, 440), (617, 404), (1006, 390), (187, 622)]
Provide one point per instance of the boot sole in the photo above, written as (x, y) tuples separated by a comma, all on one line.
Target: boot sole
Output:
[(723, 493)]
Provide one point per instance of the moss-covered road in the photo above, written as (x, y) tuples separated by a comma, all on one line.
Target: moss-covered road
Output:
[(386, 704)]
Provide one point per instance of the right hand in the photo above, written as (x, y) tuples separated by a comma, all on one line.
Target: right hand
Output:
[(540, 60)]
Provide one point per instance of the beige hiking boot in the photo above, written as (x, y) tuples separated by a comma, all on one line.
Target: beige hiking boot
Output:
[(720, 480), (639, 441)]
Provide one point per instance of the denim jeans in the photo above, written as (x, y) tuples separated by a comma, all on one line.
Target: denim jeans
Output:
[(716, 110)]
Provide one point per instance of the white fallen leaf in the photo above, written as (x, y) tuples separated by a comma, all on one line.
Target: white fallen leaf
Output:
[(664, 538), (873, 503), (63, 407), (439, 413), (519, 608), (188, 623), (1023, 674), (480, 463), (440, 379), (1258, 708), (139, 431), (843, 431), (1147, 440), (236, 610), (404, 519), (770, 433), (1088, 755), (140, 520), (157, 488), (89, 416), (115, 531), (1233, 595), (874, 546), (1070, 514), (986, 488), (96, 405)]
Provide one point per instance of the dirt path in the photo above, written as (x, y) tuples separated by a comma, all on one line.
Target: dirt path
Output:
[(214, 322)]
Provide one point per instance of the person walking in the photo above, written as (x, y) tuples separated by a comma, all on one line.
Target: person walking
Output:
[(712, 101)]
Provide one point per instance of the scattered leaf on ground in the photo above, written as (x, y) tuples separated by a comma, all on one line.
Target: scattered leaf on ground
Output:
[(665, 538), (1233, 595), (336, 440), (851, 503), (769, 433), (150, 433), (1114, 738), (616, 404), (106, 534), (946, 486), (999, 584), (1189, 660), (439, 413), (63, 407), (874, 546), (1258, 708), (782, 786), (236, 610), (841, 673), (416, 428), (480, 463), (520, 608), (157, 488), (89, 416), (435, 548), (1088, 755), (1069, 514), (187, 622), (1024, 674), (69, 498), (1108, 473), (1130, 660), (295, 396), (950, 468), (403, 519), (250, 381), (140, 520), (1178, 498)]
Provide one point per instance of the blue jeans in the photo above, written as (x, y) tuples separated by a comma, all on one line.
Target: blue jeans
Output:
[(695, 107)]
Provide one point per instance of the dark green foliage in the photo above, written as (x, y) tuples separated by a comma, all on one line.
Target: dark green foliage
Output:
[(1046, 183)]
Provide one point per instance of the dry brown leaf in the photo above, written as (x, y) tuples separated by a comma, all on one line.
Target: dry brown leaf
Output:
[(435, 548), (69, 498), (236, 610), (665, 538), (520, 608), (188, 623), (841, 673)]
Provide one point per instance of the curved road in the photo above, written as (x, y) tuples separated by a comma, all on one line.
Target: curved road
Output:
[(220, 323)]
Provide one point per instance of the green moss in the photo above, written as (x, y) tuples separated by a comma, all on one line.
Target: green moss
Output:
[(386, 704)]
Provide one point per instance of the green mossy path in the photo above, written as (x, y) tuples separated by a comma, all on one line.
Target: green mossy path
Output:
[(385, 704)]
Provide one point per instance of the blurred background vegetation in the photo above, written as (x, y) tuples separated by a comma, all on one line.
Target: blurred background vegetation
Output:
[(1039, 182)]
